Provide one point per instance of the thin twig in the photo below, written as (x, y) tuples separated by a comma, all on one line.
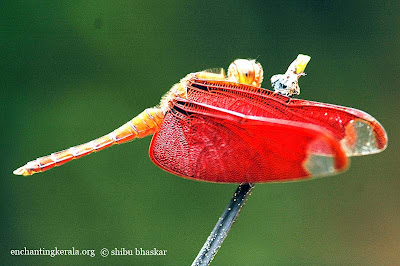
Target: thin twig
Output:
[(223, 226)]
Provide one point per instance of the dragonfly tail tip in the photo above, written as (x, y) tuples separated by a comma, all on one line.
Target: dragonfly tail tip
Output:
[(20, 171)]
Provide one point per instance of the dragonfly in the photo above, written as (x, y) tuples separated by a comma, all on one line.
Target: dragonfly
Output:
[(226, 128)]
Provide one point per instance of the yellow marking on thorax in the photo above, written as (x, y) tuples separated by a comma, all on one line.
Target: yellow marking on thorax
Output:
[(180, 89)]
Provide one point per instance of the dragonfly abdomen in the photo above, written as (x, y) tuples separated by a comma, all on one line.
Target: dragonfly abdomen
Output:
[(146, 123)]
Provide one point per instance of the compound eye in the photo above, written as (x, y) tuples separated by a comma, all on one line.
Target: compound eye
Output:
[(246, 72), (233, 72), (258, 74)]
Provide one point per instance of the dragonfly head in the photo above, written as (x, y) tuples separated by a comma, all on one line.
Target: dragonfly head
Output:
[(246, 71)]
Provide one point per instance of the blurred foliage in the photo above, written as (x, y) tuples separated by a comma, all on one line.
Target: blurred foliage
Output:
[(74, 70)]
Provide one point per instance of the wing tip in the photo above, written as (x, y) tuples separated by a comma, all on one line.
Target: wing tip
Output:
[(363, 137)]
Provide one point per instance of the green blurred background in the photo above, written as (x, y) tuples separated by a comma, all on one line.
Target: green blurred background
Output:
[(72, 71)]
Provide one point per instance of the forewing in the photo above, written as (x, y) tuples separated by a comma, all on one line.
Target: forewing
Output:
[(218, 145), (359, 132)]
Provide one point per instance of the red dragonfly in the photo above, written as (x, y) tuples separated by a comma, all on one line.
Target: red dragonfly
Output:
[(226, 128)]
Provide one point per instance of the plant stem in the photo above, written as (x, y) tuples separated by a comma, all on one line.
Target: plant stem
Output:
[(223, 226)]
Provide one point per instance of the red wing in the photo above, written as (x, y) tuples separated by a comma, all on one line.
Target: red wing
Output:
[(214, 144), (359, 132)]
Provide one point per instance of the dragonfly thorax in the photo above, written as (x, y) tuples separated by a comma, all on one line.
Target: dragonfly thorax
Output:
[(178, 90), (244, 71)]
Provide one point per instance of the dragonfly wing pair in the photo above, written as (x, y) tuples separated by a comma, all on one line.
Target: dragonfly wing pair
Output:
[(231, 132)]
